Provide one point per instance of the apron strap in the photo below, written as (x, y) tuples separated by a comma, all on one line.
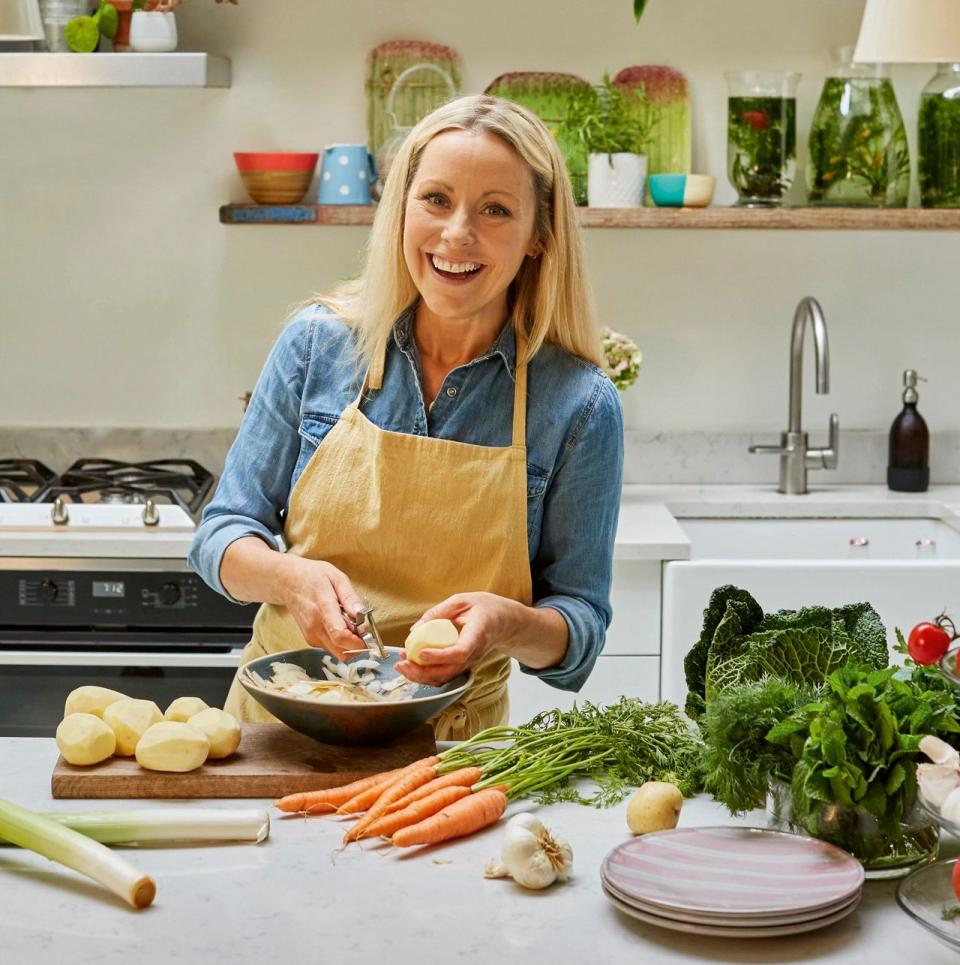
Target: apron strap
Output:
[(520, 394)]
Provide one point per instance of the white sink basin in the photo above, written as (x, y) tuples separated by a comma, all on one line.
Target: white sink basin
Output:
[(909, 569)]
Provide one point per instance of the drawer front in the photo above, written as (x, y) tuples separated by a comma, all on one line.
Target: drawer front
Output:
[(635, 595), (611, 678)]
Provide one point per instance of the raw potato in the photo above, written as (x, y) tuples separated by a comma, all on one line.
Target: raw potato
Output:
[(655, 806), (91, 700), (434, 634), (85, 739), (129, 718), (183, 708), (172, 745), (221, 728)]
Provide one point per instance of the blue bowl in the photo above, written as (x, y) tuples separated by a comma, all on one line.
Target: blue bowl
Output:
[(350, 724), (682, 190)]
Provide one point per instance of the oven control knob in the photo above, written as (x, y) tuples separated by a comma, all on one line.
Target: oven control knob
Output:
[(169, 594), (48, 591)]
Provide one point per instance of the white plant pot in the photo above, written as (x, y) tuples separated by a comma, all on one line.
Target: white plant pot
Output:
[(153, 32), (616, 180)]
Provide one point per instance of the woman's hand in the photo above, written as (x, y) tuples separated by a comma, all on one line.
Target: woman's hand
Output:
[(314, 593), (485, 621)]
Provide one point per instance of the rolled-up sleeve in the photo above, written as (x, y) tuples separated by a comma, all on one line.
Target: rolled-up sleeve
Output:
[(255, 484), (573, 569)]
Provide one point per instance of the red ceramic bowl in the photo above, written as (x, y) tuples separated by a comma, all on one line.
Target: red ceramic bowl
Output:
[(276, 177)]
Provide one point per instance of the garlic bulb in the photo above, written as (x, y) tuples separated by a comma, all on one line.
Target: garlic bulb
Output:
[(531, 855)]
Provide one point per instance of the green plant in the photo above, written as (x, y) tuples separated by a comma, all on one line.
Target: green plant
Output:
[(856, 748), (83, 33), (762, 135), (604, 119), (638, 8), (804, 646)]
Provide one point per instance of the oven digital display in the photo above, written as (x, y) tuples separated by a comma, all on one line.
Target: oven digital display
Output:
[(108, 588)]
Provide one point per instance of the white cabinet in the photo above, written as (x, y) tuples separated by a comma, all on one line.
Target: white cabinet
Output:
[(630, 663)]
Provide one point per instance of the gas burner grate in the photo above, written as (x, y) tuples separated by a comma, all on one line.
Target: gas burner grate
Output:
[(181, 482), (22, 479)]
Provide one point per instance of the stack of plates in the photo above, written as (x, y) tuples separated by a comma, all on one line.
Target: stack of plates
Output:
[(733, 882)]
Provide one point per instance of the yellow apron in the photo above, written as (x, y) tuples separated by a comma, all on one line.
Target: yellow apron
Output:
[(410, 520)]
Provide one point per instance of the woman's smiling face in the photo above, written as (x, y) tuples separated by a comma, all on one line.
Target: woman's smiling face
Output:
[(469, 223)]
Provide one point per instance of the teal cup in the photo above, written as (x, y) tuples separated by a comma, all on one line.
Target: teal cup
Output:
[(681, 190)]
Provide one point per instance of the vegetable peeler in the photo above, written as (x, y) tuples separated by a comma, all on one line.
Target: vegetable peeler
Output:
[(366, 628)]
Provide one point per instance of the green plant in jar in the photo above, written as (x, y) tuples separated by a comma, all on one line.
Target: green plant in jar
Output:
[(939, 140), (761, 136), (858, 151)]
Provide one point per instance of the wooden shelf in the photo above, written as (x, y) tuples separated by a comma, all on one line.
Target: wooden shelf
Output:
[(802, 219), (114, 70)]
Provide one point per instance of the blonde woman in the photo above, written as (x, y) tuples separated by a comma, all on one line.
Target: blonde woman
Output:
[(437, 439)]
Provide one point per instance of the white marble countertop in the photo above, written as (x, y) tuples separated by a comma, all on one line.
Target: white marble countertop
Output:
[(295, 899), (648, 527)]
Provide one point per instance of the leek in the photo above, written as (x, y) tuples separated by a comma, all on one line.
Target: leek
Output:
[(148, 825), (59, 843)]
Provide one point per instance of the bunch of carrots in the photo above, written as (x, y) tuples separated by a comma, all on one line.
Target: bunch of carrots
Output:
[(412, 805), (467, 787)]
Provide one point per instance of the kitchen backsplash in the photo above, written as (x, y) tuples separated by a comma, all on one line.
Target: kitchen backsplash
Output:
[(666, 457)]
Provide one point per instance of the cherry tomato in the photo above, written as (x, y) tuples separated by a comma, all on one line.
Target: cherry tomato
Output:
[(927, 642), (955, 880)]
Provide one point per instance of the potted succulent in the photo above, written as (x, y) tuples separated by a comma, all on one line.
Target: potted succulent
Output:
[(614, 134), (82, 34)]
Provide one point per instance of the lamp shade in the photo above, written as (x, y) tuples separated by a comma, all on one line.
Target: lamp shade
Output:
[(20, 20), (909, 32)]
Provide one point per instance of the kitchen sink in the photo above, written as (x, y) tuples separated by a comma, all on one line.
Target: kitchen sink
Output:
[(908, 569)]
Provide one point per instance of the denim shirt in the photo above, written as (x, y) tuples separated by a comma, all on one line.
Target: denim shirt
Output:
[(574, 456)]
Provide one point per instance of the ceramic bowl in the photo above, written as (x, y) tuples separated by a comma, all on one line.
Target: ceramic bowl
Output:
[(682, 190), (350, 724), (276, 177)]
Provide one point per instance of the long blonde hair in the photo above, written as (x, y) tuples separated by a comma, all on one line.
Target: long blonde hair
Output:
[(550, 299)]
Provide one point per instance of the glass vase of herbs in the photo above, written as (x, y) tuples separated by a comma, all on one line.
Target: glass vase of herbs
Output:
[(858, 153), (761, 135), (939, 139)]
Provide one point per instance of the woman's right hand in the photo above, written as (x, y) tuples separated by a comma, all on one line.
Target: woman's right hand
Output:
[(316, 593)]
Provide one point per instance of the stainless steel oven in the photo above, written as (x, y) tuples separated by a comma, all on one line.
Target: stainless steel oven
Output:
[(95, 589)]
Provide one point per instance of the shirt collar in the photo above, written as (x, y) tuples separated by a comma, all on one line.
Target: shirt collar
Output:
[(504, 345)]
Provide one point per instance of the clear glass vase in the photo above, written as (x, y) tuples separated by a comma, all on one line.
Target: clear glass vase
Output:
[(858, 153), (939, 139), (761, 135), (858, 832)]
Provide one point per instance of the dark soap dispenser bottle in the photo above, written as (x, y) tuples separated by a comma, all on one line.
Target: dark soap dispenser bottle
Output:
[(908, 470)]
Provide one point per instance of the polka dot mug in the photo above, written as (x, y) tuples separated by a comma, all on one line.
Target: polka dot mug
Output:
[(346, 174)]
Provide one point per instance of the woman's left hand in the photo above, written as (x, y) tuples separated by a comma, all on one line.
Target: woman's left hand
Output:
[(484, 620)]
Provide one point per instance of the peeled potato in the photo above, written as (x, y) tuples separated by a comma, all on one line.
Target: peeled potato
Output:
[(433, 634), (655, 806), (172, 745), (91, 700), (183, 708), (221, 728), (85, 739), (129, 718)]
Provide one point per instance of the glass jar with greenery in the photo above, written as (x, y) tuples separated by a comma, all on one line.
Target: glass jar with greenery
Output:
[(939, 139), (858, 152), (761, 135)]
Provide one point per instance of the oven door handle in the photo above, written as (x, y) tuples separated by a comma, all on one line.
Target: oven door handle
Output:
[(73, 658)]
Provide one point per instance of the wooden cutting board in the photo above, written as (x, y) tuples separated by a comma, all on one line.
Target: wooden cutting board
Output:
[(272, 760)]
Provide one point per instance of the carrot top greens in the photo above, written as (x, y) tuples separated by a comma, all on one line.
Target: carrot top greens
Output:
[(617, 747)]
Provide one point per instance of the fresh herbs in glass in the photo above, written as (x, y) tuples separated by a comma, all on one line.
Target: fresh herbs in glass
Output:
[(761, 136), (939, 140), (858, 151)]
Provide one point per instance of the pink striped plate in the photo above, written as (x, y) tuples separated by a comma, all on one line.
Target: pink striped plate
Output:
[(719, 931), (732, 872)]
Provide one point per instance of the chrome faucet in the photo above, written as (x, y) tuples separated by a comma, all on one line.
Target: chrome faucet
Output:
[(795, 457)]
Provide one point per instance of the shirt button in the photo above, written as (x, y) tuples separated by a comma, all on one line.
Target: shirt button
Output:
[(452, 392)]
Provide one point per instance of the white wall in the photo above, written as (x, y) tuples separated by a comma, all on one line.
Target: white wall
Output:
[(124, 302)]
